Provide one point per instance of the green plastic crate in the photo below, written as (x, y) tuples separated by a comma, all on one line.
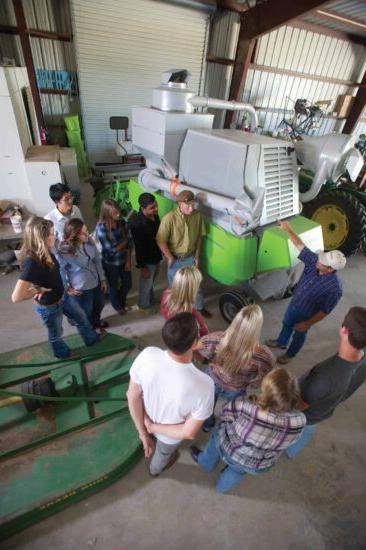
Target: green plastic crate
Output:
[(72, 123), (74, 139), (83, 166)]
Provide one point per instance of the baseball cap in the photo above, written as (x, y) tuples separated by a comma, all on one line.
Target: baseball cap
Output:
[(334, 259), (185, 196)]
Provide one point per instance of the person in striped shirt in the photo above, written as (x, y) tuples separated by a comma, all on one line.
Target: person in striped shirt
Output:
[(236, 357), (254, 432), (317, 294)]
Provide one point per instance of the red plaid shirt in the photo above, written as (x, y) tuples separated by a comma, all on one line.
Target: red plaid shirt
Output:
[(260, 364)]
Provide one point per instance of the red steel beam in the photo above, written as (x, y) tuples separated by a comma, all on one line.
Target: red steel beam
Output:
[(268, 16), (8, 29), (244, 54), (36, 33), (27, 53), (356, 109), (219, 60)]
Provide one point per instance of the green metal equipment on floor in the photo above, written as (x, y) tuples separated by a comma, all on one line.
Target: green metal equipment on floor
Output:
[(65, 428)]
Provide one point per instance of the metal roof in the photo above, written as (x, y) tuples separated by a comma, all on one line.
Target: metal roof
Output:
[(351, 12)]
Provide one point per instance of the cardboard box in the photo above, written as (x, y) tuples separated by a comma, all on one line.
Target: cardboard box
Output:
[(43, 153), (343, 105)]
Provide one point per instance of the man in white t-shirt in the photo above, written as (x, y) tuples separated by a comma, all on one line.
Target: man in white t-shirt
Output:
[(65, 210), (168, 393)]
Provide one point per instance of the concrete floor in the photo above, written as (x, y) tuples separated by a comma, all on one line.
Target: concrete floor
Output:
[(316, 501)]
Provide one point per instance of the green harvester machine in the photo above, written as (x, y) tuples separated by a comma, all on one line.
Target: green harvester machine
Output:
[(244, 183)]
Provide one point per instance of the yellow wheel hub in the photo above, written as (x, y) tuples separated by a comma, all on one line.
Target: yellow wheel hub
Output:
[(334, 223)]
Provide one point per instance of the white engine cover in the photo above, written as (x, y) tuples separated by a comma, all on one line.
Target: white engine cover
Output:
[(230, 163)]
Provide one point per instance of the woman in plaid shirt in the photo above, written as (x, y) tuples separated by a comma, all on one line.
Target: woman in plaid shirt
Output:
[(116, 245), (254, 432), (236, 357)]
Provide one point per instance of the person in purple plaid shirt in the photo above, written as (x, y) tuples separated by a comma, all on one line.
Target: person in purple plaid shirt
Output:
[(254, 432), (317, 293)]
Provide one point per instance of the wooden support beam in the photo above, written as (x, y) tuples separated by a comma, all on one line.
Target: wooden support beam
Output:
[(27, 54), (36, 33), (356, 109), (268, 16)]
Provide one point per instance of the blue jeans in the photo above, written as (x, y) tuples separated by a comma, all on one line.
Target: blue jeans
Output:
[(303, 440), (174, 268), (232, 474), (146, 287), (224, 394), (120, 282), (92, 302), (52, 319), (292, 316)]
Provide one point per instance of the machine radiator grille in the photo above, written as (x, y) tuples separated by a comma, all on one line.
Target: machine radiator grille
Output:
[(279, 183)]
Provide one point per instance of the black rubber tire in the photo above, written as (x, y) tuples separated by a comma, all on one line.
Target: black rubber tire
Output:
[(231, 302), (40, 386), (351, 208)]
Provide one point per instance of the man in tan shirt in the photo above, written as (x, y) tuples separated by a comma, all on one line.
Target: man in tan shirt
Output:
[(179, 238)]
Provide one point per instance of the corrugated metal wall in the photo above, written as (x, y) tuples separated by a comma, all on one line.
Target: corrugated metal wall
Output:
[(307, 53), (47, 15), (223, 41), (122, 49), (9, 44), (288, 48)]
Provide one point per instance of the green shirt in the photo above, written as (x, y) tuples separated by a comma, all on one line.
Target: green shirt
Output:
[(181, 232)]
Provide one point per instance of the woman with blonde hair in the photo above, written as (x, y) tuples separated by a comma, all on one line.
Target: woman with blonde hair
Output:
[(236, 357), (181, 297), (116, 245), (40, 279), (253, 433)]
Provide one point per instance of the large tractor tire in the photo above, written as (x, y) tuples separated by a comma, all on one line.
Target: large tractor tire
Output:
[(342, 217)]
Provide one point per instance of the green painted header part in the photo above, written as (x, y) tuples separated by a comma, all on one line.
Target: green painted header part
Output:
[(277, 252), (228, 259), (70, 449)]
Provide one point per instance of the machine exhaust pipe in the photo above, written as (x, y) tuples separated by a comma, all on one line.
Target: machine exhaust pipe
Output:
[(214, 103)]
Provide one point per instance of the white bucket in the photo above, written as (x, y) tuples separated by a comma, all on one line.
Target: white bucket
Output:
[(16, 222)]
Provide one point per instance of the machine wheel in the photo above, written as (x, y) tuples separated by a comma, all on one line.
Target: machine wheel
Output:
[(231, 302), (42, 386), (342, 217)]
